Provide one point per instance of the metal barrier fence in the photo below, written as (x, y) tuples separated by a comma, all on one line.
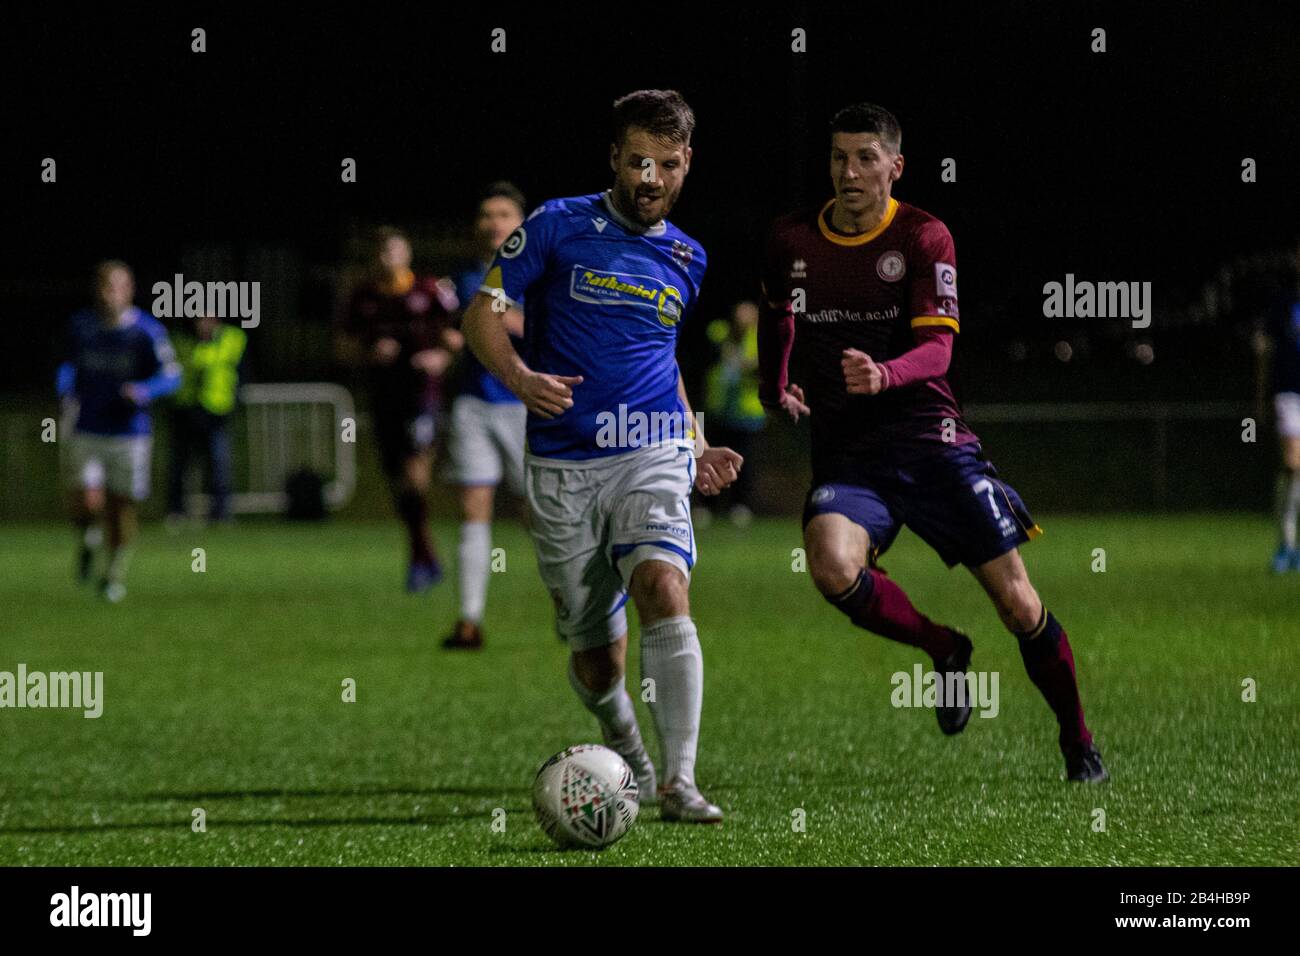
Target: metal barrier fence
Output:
[(287, 427)]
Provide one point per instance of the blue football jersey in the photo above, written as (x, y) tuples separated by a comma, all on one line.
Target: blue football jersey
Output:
[(1286, 338), (101, 359), (476, 380), (605, 301)]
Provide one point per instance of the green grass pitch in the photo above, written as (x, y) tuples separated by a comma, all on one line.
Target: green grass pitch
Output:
[(223, 691)]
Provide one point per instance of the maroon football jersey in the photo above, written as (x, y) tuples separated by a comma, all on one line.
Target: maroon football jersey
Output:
[(415, 313), (868, 292)]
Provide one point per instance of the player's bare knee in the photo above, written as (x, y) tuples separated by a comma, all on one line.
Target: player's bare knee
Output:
[(90, 502), (598, 668), (833, 568), (476, 502), (659, 590), (1019, 607)]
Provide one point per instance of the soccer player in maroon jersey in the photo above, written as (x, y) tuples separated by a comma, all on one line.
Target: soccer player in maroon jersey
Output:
[(398, 326), (860, 298)]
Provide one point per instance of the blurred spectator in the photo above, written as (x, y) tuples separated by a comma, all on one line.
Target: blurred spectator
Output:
[(733, 413), (211, 354)]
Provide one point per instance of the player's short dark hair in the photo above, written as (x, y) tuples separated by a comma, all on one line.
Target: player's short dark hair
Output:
[(504, 189), (661, 113), (104, 267), (869, 118)]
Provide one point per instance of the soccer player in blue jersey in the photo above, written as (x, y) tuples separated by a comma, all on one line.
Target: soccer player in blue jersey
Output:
[(119, 361), (611, 440), (486, 445), (1283, 335)]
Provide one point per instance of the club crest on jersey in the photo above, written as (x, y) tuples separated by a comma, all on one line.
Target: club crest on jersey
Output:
[(599, 287), (823, 494), (682, 252), (891, 266), (798, 269), (514, 244)]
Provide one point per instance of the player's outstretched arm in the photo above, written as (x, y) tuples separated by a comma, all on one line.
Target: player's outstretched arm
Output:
[(546, 396)]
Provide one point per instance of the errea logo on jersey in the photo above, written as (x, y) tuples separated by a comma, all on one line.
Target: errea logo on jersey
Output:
[(598, 287)]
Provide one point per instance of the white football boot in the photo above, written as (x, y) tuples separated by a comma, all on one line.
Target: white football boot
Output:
[(683, 803)]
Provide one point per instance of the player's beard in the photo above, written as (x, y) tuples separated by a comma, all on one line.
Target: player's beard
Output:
[(627, 203)]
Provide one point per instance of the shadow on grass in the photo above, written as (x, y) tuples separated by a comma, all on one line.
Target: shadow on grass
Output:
[(272, 793), (435, 820)]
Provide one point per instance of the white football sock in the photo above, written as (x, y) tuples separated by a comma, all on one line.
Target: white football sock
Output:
[(1290, 508), (117, 563), (671, 657), (614, 711), (474, 555)]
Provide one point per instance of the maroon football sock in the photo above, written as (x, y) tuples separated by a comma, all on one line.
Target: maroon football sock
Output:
[(414, 512), (1049, 661), (879, 605)]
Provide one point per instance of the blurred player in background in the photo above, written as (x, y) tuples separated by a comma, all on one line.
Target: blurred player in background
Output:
[(210, 354), (735, 414), (1281, 343), (119, 361), (608, 281), (865, 292), (397, 326), (486, 444)]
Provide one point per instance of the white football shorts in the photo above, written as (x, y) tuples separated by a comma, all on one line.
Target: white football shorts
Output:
[(486, 444), (595, 520), (1287, 406), (118, 463)]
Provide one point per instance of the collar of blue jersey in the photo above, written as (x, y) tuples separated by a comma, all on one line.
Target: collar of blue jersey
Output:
[(125, 319), (658, 229)]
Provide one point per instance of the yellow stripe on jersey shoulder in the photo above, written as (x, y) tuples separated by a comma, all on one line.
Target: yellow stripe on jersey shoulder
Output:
[(941, 320), (493, 278)]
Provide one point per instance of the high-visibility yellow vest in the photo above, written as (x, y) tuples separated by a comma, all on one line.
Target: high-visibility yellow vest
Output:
[(732, 384), (210, 370)]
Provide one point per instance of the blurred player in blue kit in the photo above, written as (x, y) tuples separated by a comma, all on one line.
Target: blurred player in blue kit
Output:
[(486, 443), (1281, 341), (118, 362), (608, 281)]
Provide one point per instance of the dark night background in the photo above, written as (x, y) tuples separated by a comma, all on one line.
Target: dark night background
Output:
[(1120, 166)]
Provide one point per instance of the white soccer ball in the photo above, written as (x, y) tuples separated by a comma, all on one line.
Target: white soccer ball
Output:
[(586, 796)]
